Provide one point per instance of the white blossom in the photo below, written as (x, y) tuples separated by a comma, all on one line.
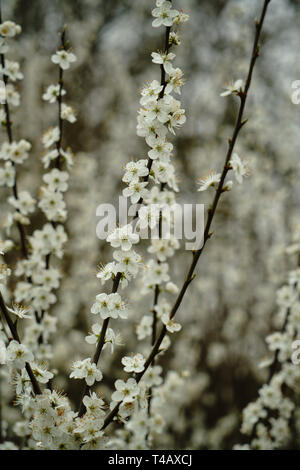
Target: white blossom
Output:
[(170, 324), (18, 354), (211, 180), (86, 370), (134, 363), (233, 87), (125, 391), (123, 237), (64, 59), (9, 29), (239, 168), (164, 14), (52, 93)]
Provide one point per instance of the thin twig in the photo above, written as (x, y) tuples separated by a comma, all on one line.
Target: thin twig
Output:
[(57, 162), (60, 103)]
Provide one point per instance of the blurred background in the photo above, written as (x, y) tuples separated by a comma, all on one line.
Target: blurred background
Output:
[(230, 306)]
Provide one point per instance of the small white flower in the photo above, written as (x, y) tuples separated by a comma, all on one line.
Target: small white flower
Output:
[(170, 324), (3, 46), (136, 191), (164, 59), (135, 170), (127, 261), (152, 376), (52, 93), (151, 92), (147, 126), (7, 175), (165, 344), (52, 204), (106, 272), (12, 96), (113, 339), (233, 87), (5, 246), (134, 364), (48, 278), (94, 405), (276, 341), (25, 203), (101, 305), (19, 151), (181, 18), (211, 180), (9, 29), (64, 59), (49, 157), (148, 217), (43, 298), (176, 120), (172, 288), (161, 148), (18, 354), (294, 277), (228, 186), (164, 14), (5, 272), (286, 296), (57, 180), (175, 81), (67, 113), (68, 156), (162, 307), (125, 391), (19, 311), (86, 370), (162, 249), (50, 137), (123, 237), (157, 110), (41, 374), (109, 306), (157, 273), (240, 169), (12, 71), (144, 328), (117, 307)]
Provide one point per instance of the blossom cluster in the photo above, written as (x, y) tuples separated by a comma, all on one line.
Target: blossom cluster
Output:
[(267, 420), (28, 361), (146, 181)]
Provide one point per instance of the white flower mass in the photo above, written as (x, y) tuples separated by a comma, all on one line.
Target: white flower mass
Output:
[(133, 342)]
